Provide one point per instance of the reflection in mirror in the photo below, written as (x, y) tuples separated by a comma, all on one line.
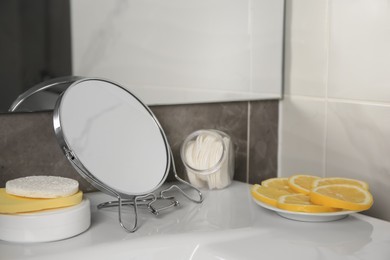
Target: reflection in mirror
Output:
[(167, 52), (42, 96)]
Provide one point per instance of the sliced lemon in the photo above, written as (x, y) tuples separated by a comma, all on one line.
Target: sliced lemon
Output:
[(302, 183), (277, 183), (267, 195), (301, 203), (344, 196), (339, 180)]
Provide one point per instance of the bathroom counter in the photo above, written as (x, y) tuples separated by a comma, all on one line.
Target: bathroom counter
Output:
[(227, 225)]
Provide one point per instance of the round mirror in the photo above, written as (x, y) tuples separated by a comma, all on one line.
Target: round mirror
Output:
[(111, 138)]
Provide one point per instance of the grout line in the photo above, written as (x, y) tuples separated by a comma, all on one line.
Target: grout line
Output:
[(280, 141), (279, 164), (340, 100), (250, 33), (359, 102), (248, 139), (248, 131), (303, 97), (326, 81)]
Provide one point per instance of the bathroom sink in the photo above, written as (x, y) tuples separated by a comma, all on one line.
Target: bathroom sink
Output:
[(227, 225)]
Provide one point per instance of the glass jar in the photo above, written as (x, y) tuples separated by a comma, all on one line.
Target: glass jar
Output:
[(208, 157)]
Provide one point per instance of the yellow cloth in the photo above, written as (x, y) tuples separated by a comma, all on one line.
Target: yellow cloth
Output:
[(14, 204)]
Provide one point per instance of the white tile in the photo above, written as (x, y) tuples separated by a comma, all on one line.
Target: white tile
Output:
[(358, 146), (301, 142), (306, 47), (359, 60)]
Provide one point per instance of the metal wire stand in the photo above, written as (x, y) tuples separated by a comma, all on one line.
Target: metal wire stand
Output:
[(148, 200)]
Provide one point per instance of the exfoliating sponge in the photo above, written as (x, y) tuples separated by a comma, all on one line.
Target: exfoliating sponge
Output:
[(10, 204), (42, 187)]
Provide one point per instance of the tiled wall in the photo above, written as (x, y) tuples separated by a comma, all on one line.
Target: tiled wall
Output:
[(28, 145), (336, 109)]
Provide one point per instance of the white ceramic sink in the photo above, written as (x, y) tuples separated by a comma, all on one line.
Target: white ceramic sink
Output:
[(228, 225)]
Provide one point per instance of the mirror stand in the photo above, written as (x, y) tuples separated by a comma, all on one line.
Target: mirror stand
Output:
[(67, 96), (149, 199)]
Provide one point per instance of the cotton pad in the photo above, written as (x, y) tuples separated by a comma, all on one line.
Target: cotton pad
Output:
[(42, 187)]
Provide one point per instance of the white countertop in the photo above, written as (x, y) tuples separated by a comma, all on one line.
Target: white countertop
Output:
[(227, 225)]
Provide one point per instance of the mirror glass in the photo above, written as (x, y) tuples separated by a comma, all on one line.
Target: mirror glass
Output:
[(112, 137), (167, 52)]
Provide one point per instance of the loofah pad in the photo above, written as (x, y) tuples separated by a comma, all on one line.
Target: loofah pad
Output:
[(42, 187)]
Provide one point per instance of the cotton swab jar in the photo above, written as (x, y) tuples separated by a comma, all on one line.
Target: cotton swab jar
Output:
[(208, 157)]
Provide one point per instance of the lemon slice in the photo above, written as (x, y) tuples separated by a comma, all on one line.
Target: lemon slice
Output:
[(345, 196), (302, 183), (277, 183), (339, 180), (301, 203), (267, 195)]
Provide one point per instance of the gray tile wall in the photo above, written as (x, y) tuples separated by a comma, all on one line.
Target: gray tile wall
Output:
[(28, 145)]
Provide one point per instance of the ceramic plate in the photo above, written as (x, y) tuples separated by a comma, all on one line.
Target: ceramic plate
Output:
[(308, 217)]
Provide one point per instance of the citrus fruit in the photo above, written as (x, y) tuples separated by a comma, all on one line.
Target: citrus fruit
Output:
[(301, 203), (339, 180), (267, 195), (277, 183), (344, 196), (302, 183)]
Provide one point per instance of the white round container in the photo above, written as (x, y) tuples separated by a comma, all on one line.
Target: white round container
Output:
[(45, 226)]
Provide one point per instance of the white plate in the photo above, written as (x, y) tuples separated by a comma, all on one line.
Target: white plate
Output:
[(308, 217)]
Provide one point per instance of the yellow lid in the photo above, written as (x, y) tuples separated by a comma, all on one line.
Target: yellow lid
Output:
[(10, 204)]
